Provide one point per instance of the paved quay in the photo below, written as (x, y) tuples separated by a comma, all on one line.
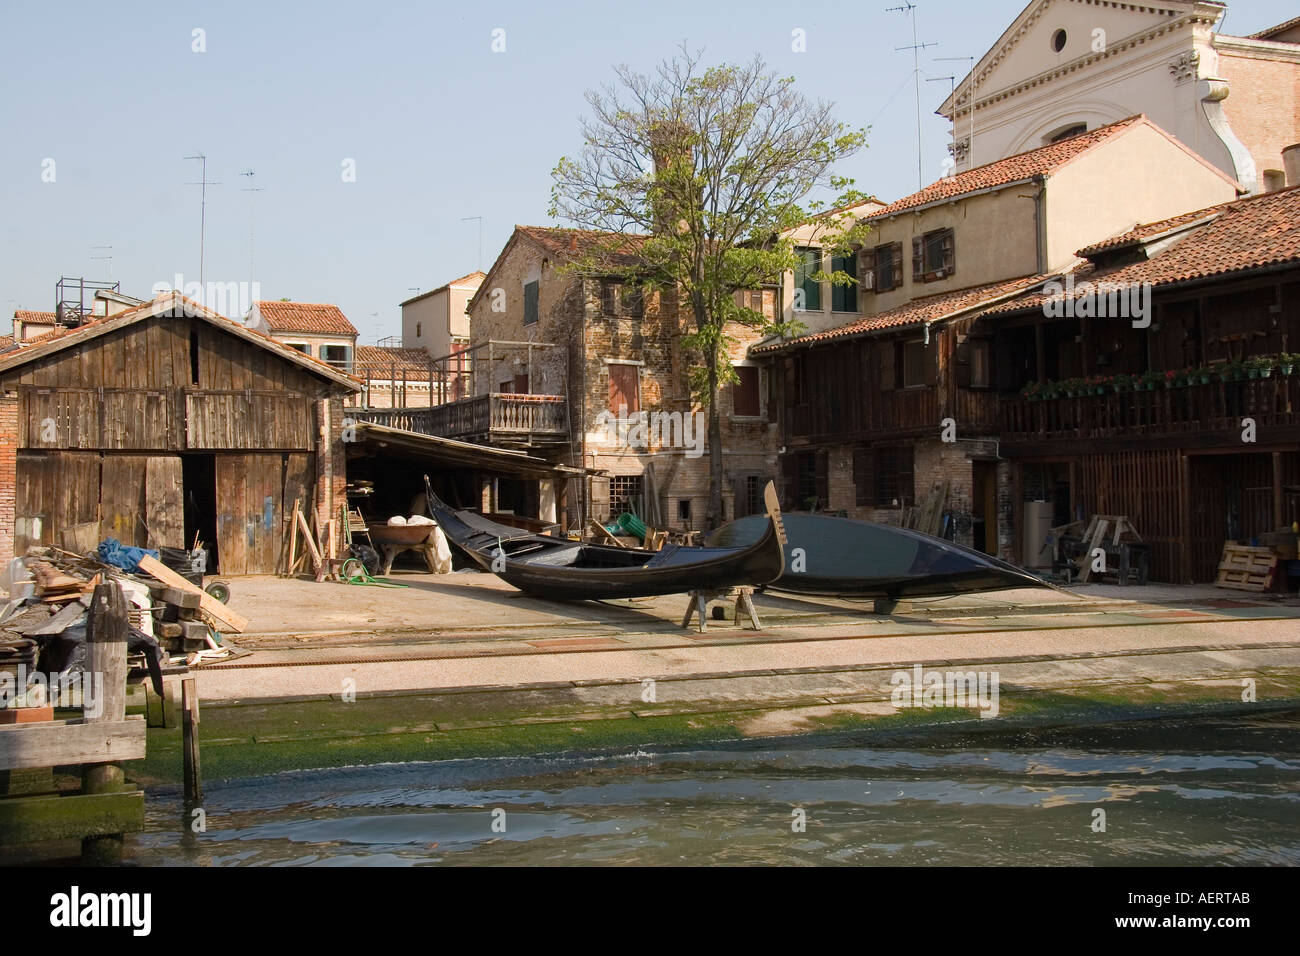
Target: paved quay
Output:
[(464, 666)]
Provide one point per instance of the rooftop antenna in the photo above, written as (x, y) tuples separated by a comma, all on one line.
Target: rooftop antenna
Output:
[(952, 88), (251, 189), (203, 183), (109, 257), (970, 148), (478, 264), (909, 9)]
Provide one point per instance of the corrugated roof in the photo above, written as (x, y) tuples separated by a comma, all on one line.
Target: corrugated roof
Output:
[(317, 317)]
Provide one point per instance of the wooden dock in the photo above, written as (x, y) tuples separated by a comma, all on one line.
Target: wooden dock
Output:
[(32, 810)]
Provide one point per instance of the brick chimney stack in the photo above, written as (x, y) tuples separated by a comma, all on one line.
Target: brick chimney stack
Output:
[(1291, 161)]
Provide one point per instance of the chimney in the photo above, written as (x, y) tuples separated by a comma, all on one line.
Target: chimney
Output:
[(1291, 161), (573, 242), (671, 149)]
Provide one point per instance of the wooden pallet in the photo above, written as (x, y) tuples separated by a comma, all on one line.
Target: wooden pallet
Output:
[(1247, 569)]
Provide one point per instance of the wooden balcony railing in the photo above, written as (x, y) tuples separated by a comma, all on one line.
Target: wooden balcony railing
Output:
[(900, 410), (486, 417), (1210, 407)]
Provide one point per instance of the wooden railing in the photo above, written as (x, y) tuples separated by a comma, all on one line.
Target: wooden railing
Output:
[(1195, 408), (900, 410), (498, 414)]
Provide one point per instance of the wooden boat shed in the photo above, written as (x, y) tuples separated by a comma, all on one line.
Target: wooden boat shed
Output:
[(164, 423)]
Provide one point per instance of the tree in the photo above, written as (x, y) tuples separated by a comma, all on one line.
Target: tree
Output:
[(715, 165)]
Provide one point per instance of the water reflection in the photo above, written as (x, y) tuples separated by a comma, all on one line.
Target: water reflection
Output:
[(1199, 792)]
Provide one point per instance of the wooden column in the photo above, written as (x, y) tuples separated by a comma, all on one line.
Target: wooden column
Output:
[(107, 627), (1278, 518), (1184, 573)]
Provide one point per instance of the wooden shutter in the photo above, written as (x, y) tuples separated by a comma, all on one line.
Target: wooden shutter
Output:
[(623, 391), (961, 360), (823, 478), (918, 257), (948, 247), (530, 303), (609, 297), (885, 363), (863, 479), (930, 363), (896, 258), (744, 393)]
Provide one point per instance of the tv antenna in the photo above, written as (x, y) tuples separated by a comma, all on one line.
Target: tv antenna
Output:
[(251, 207), (108, 256), (970, 146), (203, 183), (479, 263), (909, 9)]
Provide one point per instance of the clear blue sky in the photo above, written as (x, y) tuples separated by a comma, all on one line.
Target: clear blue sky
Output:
[(439, 126)]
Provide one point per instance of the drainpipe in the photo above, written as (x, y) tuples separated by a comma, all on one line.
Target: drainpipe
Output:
[(1040, 222)]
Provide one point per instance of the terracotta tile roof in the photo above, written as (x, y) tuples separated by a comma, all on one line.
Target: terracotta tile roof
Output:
[(1251, 233), (1013, 169), (931, 308), (379, 361), (1273, 31), (6, 341), (38, 318), (305, 317), (1145, 232), (477, 274), (573, 243)]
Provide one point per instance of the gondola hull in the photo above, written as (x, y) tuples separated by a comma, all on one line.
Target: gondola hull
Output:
[(830, 556), (556, 568)]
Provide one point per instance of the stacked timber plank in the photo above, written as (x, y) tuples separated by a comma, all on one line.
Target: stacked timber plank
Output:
[(927, 516)]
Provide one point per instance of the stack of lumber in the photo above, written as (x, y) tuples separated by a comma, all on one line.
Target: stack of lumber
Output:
[(54, 586), (1247, 569)]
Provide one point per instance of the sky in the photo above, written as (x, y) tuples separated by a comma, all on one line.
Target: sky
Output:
[(100, 103)]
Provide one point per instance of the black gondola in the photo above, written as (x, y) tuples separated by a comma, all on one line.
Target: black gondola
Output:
[(557, 568), (831, 556)]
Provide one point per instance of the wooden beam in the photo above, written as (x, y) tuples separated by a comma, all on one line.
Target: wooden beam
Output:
[(71, 816), (226, 619), (57, 743)]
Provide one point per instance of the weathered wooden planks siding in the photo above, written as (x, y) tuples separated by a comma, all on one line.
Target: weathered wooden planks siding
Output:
[(249, 520), (249, 420), (54, 491)]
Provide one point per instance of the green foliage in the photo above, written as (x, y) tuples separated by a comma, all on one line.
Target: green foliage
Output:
[(714, 165)]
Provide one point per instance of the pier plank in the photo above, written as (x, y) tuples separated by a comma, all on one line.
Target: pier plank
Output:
[(59, 743)]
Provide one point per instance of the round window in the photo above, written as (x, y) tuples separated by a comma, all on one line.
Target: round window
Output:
[(1058, 40)]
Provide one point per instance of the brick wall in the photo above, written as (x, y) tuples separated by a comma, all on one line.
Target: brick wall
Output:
[(8, 471), (571, 315), (1263, 106)]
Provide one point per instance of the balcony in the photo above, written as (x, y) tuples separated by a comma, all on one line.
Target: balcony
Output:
[(495, 419), (1196, 409)]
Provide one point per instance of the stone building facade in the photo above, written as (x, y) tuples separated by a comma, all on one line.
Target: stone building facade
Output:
[(616, 357)]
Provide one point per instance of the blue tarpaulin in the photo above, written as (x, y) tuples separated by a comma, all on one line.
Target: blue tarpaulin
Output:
[(114, 552)]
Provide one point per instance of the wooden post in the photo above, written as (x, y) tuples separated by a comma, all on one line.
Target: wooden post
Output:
[(107, 627), (1278, 519), (190, 739)]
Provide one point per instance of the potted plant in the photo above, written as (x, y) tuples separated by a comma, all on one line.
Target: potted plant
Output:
[(1286, 363)]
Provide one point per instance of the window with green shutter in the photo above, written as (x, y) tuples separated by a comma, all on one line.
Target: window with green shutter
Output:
[(844, 298), (810, 263), (530, 302)]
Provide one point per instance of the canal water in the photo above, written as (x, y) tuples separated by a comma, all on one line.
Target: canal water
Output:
[(1200, 792)]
